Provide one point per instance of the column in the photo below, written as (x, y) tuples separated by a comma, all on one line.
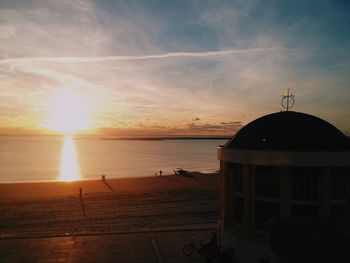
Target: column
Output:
[(226, 195), (285, 195)]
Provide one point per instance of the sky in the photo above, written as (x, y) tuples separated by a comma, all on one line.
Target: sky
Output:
[(157, 67)]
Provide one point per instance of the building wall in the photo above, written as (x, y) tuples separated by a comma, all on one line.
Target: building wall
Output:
[(251, 195)]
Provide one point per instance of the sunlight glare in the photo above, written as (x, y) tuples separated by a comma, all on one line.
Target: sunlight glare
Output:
[(69, 163), (68, 112)]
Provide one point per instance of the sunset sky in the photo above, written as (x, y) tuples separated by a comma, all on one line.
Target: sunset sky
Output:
[(169, 67)]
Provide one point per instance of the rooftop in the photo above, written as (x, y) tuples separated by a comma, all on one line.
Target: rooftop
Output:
[(289, 131)]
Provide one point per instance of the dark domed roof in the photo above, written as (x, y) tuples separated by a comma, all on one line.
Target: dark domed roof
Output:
[(289, 131)]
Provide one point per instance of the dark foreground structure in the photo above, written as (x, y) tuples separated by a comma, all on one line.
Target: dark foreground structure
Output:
[(280, 174)]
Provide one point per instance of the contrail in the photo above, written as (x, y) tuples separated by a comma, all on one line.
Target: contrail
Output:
[(136, 57)]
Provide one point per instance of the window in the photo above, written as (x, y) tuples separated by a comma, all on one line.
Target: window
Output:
[(238, 208), (237, 174), (338, 186), (304, 210), (338, 183), (238, 190), (337, 208), (267, 182), (267, 194), (305, 183), (264, 211)]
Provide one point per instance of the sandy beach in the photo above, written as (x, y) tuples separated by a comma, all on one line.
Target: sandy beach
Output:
[(114, 206)]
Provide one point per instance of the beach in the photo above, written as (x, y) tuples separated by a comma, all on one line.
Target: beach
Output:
[(123, 205)]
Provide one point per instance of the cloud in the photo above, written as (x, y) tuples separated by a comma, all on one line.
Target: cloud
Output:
[(222, 128), (233, 123), (138, 57), (137, 61), (144, 129)]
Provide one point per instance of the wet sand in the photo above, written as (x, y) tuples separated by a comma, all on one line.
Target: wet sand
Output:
[(111, 206)]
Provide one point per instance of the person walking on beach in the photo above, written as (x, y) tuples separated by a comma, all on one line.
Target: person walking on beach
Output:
[(160, 172), (80, 192)]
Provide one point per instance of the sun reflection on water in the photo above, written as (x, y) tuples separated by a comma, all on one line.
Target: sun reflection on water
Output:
[(69, 162)]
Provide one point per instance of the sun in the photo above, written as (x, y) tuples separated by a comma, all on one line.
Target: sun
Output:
[(68, 111)]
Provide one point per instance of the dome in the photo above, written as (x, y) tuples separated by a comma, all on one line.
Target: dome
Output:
[(289, 131)]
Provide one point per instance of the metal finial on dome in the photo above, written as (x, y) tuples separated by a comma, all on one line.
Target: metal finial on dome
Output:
[(287, 101)]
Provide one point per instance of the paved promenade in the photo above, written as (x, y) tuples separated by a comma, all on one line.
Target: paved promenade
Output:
[(157, 247)]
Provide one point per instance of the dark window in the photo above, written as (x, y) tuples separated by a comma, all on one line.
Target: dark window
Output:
[(304, 210), (264, 211), (267, 182), (305, 183), (237, 174), (238, 208), (337, 208), (338, 186), (338, 183), (238, 189)]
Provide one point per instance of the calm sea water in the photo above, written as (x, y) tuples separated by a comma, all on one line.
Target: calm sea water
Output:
[(27, 159)]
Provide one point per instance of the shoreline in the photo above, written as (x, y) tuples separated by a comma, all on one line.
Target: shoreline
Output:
[(9, 190), (203, 172), (143, 204)]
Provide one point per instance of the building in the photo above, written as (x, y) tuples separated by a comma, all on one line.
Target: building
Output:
[(281, 166)]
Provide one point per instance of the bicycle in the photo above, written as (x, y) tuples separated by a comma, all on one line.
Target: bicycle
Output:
[(195, 247)]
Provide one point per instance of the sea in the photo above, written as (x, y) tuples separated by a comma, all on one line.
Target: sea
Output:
[(53, 158)]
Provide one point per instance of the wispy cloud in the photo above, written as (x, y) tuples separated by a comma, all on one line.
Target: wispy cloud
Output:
[(139, 57), (157, 64)]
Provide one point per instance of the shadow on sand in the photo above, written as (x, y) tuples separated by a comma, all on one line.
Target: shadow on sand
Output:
[(82, 205), (108, 185)]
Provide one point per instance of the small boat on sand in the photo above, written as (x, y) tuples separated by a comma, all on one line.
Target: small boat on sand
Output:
[(182, 172)]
